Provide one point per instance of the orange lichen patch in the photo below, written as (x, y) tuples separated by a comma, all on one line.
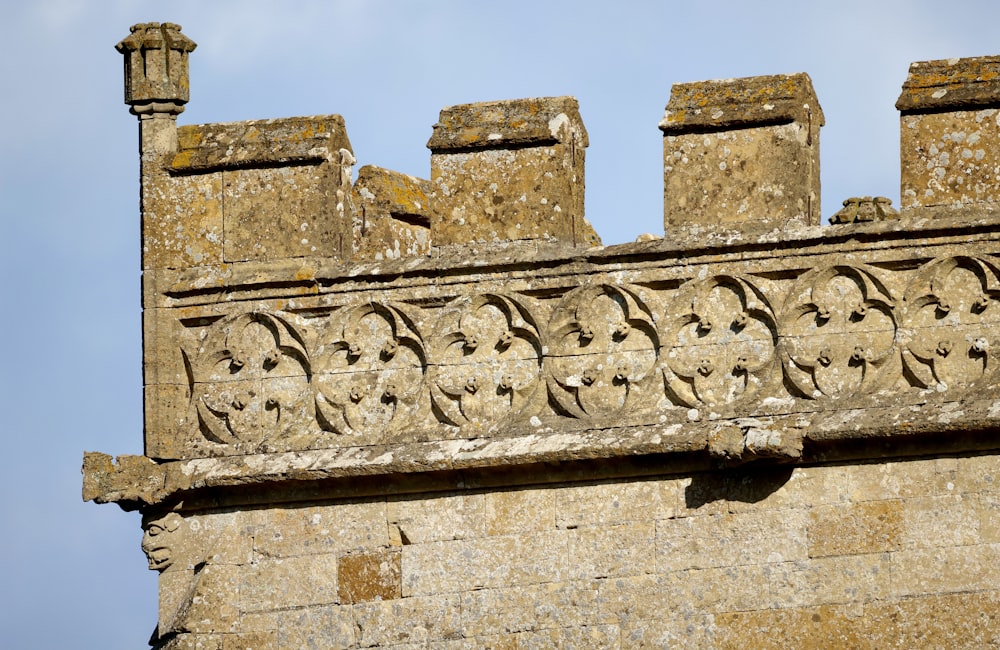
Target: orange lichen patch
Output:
[(729, 102), (189, 137), (504, 123), (395, 193), (182, 159), (951, 83), (240, 144)]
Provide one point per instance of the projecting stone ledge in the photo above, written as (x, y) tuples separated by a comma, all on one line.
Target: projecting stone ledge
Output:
[(640, 449)]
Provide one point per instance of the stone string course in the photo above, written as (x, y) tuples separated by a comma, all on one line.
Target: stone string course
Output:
[(437, 413)]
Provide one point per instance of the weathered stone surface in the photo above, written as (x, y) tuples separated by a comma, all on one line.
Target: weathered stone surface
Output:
[(865, 208), (369, 576), (849, 529), (840, 320), (758, 567), (156, 68), (722, 540), (741, 150), (392, 216), (510, 170), (949, 124)]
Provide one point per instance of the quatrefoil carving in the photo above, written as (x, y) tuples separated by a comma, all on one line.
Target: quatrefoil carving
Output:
[(722, 334), (838, 333), (486, 361), (952, 316), (604, 349)]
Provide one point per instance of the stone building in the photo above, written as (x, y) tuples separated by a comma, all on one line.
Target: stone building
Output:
[(437, 413)]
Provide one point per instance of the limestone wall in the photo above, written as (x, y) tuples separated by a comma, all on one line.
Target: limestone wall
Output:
[(901, 554), (405, 412)]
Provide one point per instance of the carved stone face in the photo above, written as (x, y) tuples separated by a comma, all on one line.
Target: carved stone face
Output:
[(158, 540)]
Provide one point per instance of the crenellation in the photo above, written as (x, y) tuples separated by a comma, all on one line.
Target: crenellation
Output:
[(403, 412), (510, 170), (741, 151), (949, 123)]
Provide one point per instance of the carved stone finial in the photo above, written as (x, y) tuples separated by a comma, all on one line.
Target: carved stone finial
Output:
[(156, 68), (865, 208)]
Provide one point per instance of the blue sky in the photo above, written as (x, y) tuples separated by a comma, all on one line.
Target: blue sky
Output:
[(73, 573)]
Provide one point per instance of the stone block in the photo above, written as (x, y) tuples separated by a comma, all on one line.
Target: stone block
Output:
[(166, 414), (976, 475), (502, 561), (517, 609), (826, 626), (959, 621), (278, 583), (317, 628), (854, 528), (678, 631), (742, 151), (827, 581), (731, 540), (633, 597), (283, 212), (989, 518), (392, 216), (182, 220), (949, 128), (510, 170), (373, 575), (511, 512), (487, 642), (612, 551), (616, 503), (596, 637), (319, 529), (251, 641), (926, 571), (950, 520), (430, 518), (162, 356), (201, 601), (502, 611), (896, 480), (408, 620), (721, 589)]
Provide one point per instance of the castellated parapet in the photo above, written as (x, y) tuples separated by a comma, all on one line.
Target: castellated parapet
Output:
[(404, 412)]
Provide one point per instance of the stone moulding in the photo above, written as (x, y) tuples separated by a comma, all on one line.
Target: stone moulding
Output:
[(841, 340), (732, 103)]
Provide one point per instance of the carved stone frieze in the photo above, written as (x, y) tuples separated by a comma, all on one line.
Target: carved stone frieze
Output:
[(250, 381), (752, 340), (839, 329)]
